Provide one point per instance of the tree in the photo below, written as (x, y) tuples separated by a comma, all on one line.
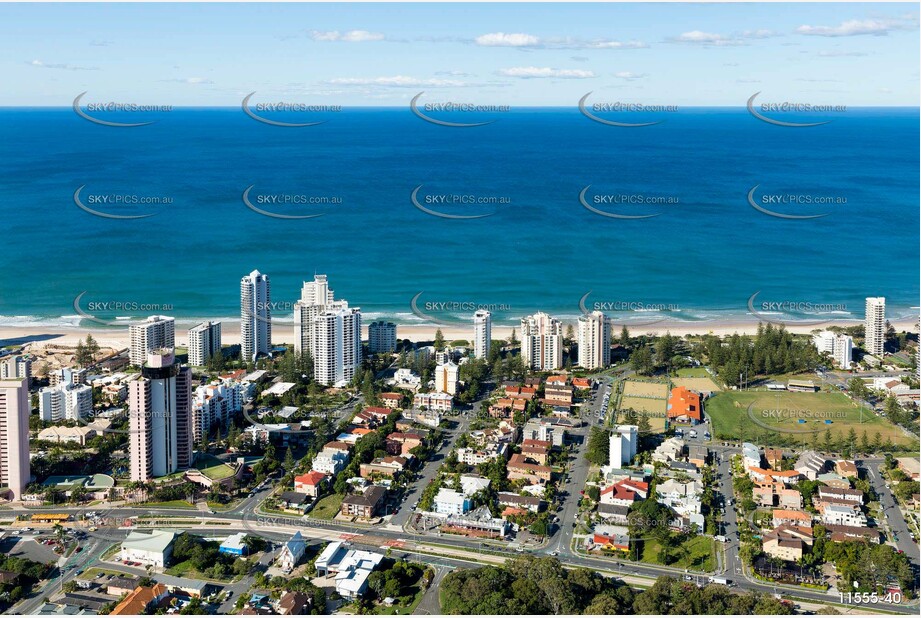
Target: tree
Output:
[(439, 340), (289, 460), (625, 337), (641, 360), (597, 450)]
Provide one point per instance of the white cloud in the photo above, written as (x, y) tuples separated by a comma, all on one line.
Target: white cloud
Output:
[(545, 72), (529, 41), (396, 81), (704, 38), (858, 27), (61, 66), (192, 81), (351, 36), (453, 73), (629, 76), (502, 39)]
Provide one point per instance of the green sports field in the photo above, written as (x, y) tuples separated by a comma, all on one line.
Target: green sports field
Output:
[(786, 419)]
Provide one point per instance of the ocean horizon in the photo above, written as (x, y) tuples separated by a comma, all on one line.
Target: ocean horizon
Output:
[(700, 254)]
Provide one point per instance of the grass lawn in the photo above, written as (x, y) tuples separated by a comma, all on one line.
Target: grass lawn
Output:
[(402, 610), (212, 467), (699, 554), (705, 384), (644, 404), (186, 570), (327, 507), (774, 418), (171, 504), (693, 372)]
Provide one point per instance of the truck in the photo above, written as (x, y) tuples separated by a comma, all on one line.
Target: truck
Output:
[(720, 580)]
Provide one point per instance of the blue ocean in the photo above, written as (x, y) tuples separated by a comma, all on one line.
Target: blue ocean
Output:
[(702, 256)]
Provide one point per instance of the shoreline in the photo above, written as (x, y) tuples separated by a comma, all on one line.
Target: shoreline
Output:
[(284, 334)]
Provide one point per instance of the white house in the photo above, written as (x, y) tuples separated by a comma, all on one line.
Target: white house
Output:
[(291, 553), (350, 567)]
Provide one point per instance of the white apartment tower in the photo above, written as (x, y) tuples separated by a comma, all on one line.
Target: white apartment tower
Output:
[(204, 342), (875, 325), (66, 401), (594, 340), (255, 316), (160, 422), (329, 330), (482, 333), (622, 445), (382, 337), (839, 346), (156, 332), (542, 342), (337, 344), (15, 473)]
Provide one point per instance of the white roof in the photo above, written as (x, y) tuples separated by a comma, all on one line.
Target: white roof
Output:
[(150, 540), (236, 541), (472, 484)]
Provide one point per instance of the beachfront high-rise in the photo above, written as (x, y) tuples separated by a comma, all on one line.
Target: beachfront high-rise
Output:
[(204, 342), (482, 333), (65, 401), (594, 339), (15, 473), (875, 326), (337, 344), (16, 366), (329, 330), (839, 346), (160, 421), (542, 342), (255, 316), (154, 333), (382, 337)]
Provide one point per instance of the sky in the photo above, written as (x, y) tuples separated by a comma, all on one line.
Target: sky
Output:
[(855, 54)]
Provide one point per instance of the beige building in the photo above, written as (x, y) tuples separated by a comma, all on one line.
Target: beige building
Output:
[(15, 473), (446, 378), (542, 342), (594, 339), (160, 404), (875, 326), (157, 331)]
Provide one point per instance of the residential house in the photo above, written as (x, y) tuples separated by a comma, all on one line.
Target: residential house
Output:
[(774, 458), (366, 504), (792, 517), (847, 469), (389, 466), (810, 464), (400, 443), (671, 449), (312, 484), (529, 503), (391, 400), (787, 542), (848, 515), (140, 600), (294, 604), (291, 553), (519, 468)]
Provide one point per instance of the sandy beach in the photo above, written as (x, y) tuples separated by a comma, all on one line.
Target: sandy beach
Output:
[(284, 333)]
